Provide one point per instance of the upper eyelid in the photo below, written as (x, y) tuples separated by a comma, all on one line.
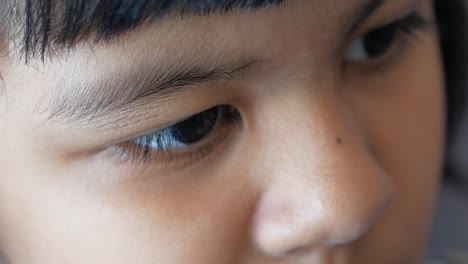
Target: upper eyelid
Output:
[(386, 18), (162, 127), (365, 13), (153, 130), (169, 125), (86, 104)]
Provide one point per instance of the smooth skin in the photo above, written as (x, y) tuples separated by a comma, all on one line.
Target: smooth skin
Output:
[(333, 161)]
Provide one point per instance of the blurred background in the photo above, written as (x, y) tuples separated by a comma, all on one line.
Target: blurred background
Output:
[(449, 239)]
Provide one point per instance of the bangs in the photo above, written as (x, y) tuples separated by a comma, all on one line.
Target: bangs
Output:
[(42, 24)]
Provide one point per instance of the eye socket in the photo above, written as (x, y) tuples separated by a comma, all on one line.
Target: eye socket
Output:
[(380, 41)]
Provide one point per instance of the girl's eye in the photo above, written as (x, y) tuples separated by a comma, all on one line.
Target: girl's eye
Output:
[(196, 134), (185, 133), (380, 41)]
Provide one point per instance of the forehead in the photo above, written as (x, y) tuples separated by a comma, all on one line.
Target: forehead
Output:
[(200, 39), (66, 22), (48, 26), (234, 33), (60, 24)]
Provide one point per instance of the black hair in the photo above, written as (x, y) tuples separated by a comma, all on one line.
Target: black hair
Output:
[(43, 24)]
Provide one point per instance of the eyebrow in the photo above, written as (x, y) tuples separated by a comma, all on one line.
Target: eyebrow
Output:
[(86, 102), (128, 89)]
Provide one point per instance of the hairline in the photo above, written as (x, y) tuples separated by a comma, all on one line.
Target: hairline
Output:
[(42, 28)]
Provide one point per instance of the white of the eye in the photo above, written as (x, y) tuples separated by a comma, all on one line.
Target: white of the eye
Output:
[(164, 144), (357, 51)]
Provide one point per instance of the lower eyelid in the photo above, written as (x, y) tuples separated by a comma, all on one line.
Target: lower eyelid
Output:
[(173, 160)]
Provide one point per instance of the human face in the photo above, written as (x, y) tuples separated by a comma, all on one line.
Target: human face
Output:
[(313, 141)]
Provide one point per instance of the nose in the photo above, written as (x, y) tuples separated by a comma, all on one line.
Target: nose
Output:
[(324, 186)]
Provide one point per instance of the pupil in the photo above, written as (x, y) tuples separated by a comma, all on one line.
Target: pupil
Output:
[(380, 40), (196, 127)]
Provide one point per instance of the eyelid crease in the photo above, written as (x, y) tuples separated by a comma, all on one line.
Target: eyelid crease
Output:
[(364, 13), (393, 16)]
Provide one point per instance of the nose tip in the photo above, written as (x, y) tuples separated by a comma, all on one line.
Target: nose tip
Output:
[(295, 217), (281, 230)]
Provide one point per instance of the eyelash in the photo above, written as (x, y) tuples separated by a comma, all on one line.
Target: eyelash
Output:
[(412, 22), (161, 145), (393, 36)]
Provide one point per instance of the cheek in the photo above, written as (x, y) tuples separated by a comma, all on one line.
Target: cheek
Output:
[(181, 220), (403, 112)]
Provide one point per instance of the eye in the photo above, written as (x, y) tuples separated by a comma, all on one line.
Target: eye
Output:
[(185, 133), (373, 45), (378, 42), (197, 134)]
